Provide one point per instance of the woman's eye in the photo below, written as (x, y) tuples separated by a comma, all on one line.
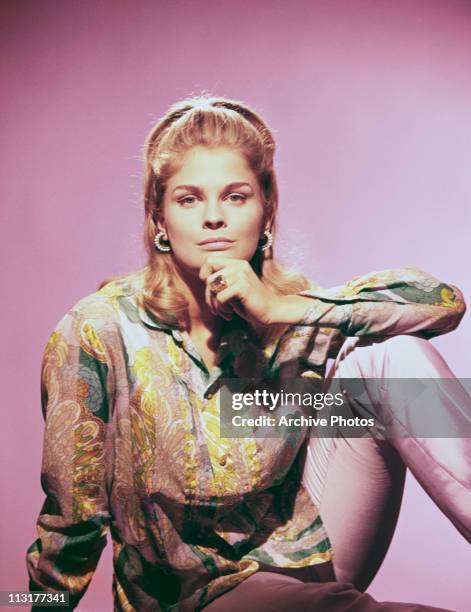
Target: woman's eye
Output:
[(233, 197), (188, 200), (238, 197)]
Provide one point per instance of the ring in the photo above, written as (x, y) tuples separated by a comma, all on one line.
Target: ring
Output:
[(217, 285)]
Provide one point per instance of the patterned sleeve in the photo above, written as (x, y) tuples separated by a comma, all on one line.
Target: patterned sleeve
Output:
[(387, 302), (72, 527)]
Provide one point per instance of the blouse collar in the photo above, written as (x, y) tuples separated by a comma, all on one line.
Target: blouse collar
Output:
[(233, 339)]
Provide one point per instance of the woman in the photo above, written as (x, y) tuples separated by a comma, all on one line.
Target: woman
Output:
[(131, 382)]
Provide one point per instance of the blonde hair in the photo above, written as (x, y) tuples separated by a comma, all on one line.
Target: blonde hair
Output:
[(211, 122)]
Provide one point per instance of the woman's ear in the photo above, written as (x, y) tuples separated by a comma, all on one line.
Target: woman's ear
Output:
[(267, 225), (160, 224), (268, 219)]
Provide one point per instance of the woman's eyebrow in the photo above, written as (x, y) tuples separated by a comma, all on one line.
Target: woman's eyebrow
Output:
[(237, 185), (195, 188)]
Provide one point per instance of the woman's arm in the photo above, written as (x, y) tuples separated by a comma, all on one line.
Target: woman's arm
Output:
[(387, 302), (76, 386)]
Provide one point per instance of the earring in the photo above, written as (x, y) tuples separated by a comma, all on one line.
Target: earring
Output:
[(269, 241), (159, 245)]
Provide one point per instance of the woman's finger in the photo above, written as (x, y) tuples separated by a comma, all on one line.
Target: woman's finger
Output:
[(215, 263), (224, 309), (217, 307), (233, 296), (225, 273), (218, 282)]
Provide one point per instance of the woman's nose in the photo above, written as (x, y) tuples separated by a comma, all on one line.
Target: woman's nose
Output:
[(213, 216), (214, 224)]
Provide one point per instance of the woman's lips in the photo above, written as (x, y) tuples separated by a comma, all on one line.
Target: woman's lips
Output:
[(216, 246)]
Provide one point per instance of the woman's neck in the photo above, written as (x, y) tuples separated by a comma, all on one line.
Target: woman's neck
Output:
[(202, 319)]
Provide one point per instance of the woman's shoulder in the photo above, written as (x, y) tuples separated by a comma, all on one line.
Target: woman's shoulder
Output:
[(105, 304), (125, 285)]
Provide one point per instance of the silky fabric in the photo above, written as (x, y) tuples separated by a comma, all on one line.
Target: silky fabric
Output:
[(132, 442), (370, 473)]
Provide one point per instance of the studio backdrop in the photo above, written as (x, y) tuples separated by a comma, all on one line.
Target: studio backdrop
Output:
[(370, 103)]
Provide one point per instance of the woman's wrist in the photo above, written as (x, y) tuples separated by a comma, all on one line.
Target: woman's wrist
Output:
[(289, 309)]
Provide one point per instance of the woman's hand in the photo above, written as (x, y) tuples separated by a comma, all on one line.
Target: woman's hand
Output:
[(244, 294)]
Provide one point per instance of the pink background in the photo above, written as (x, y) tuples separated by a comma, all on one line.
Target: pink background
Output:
[(370, 102)]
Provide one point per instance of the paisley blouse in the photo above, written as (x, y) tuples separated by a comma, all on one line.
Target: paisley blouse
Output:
[(132, 443)]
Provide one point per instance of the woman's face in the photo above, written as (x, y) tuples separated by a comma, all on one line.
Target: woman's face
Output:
[(213, 194)]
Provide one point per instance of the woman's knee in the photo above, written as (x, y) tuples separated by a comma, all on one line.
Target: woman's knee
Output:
[(403, 344), (410, 356), (400, 356)]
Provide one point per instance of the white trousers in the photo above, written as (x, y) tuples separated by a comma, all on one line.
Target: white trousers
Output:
[(358, 483)]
